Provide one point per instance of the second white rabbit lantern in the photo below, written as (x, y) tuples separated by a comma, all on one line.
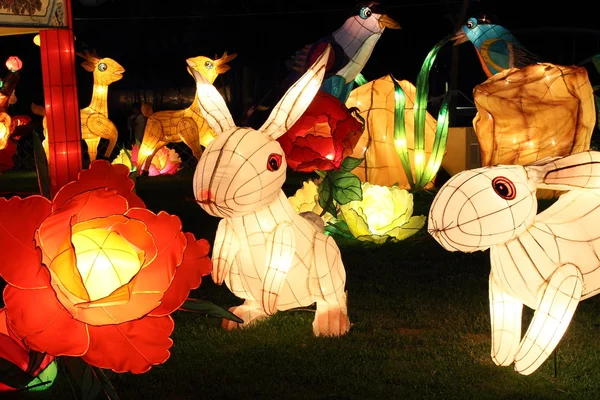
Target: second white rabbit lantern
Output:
[(263, 250), (548, 261)]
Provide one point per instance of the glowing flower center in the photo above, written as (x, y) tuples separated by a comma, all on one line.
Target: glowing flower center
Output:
[(378, 207), (105, 261)]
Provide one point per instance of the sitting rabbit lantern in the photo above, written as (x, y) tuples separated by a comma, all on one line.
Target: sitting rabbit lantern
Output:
[(264, 251), (548, 262)]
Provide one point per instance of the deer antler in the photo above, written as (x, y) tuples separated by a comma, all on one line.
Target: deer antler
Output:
[(224, 59), (91, 57)]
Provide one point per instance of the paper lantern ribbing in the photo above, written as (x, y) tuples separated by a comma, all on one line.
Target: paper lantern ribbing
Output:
[(95, 263), (542, 110), (185, 125), (548, 262), (384, 214), (376, 103), (351, 47), (95, 124), (497, 48), (13, 350), (264, 251), (325, 134)]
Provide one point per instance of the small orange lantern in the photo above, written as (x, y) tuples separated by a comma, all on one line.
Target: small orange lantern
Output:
[(14, 63)]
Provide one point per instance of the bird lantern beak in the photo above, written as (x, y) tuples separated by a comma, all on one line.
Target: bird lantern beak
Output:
[(221, 63), (387, 22), (459, 37)]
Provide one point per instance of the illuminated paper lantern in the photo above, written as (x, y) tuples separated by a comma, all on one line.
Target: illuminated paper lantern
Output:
[(13, 350), (5, 125), (187, 125), (376, 102), (14, 63), (95, 124), (306, 203), (263, 250), (165, 161), (63, 126), (94, 263), (542, 110), (384, 214), (548, 261), (323, 136), (125, 157)]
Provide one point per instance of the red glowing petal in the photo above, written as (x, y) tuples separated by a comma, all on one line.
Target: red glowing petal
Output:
[(194, 266), (170, 243), (6, 155), (11, 348), (89, 205), (37, 317), (132, 346), (21, 260), (101, 174)]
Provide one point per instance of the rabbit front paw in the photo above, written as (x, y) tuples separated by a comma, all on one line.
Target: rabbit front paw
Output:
[(331, 320), (249, 312)]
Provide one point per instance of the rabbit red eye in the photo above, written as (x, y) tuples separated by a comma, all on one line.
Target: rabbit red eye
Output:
[(504, 188), (274, 162)]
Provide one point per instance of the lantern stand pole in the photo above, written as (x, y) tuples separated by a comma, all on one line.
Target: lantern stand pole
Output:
[(63, 130)]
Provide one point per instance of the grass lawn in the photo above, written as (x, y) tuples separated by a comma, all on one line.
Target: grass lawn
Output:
[(420, 330)]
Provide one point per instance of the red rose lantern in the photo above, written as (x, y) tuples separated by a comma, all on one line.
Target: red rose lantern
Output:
[(13, 350), (324, 135), (14, 63), (94, 274)]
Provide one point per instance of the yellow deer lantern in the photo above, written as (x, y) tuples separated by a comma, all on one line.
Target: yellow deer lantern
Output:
[(376, 103), (185, 125), (548, 262), (95, 124)]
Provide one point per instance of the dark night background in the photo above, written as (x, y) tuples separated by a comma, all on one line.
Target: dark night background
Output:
[(152, 39)]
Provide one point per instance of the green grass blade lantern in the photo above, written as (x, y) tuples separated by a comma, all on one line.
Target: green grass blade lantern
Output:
[(424, 173)]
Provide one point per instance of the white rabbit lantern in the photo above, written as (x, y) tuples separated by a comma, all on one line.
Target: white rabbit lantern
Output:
[(548, 262), (263, 250)]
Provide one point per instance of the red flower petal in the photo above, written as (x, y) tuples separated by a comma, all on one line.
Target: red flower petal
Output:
[(21, 260), (43, 324), (6, 156), (85, 206), (132, 346), (100, 174), (11, 348), (322, 137), (189, 275), (170, 243)]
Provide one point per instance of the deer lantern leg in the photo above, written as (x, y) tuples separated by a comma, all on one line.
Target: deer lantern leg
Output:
[(92, 145)]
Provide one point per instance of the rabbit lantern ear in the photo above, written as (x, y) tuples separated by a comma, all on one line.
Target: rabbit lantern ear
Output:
[(575, 171), (297, 99), (212, 105)]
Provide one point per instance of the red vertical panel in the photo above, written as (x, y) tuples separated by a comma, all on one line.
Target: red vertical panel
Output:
[(62, 107)]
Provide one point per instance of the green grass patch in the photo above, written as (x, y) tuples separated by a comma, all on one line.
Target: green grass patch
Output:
[(420, 330)]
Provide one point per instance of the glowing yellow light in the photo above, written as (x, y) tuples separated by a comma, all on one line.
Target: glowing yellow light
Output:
[(329, 156), (514, 140), (400, 142), (3, 136), (553, 142), (36, 39), (531, 143), (105, 261), (419, 157)]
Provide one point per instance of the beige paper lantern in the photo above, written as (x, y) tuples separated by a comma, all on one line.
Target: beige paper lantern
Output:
[(264, 251), (548, 262), (542, 110), (376, 103)]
